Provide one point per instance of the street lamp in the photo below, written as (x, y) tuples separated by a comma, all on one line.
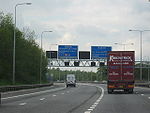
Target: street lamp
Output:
[(141, 33), (124, 44), (41, 54), (14, 48)]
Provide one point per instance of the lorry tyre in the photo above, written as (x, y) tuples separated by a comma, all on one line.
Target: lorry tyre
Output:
[(110, 91), (126, 90), (130, 91)]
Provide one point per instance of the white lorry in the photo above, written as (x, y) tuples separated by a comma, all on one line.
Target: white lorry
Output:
[(70, 80)]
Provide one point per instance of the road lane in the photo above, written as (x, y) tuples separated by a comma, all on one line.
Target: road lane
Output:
[(69, 100), (119, 102), (85, 98)]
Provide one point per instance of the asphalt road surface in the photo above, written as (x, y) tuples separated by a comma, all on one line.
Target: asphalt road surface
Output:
[(85, 98)]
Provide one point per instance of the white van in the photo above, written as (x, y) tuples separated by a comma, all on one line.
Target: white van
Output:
[(70, 80)]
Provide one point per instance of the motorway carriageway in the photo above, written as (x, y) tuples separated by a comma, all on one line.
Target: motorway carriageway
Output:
[(85, 98)]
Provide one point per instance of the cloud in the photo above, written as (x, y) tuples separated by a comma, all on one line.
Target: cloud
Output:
[(85, 22), (66, 39)]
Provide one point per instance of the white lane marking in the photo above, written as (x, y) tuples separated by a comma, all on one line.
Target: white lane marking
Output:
[(62, 93), (42, 99), (87, 112), (98, 100), (142, 94), (54, 95), (90, 109), (96, 103), (148, 97), (33, 93), (22, 104)]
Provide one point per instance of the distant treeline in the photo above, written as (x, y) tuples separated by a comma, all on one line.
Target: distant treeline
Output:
[(27, 54), (56, 74), (145, 72)]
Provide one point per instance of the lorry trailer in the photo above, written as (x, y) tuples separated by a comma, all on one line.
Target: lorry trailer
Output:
[(120, 71)]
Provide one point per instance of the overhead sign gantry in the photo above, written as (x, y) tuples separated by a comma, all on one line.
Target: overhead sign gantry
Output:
[(69, 56)]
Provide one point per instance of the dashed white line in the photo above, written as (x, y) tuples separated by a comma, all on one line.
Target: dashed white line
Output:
[(90, 109), (148, 97), (87, 112), (62, 93), (96, 103), (98, 100), (42, 99), (54, 95), (22, 104), (142, 94)]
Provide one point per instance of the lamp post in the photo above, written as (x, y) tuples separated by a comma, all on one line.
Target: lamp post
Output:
[(41, 54), (141, 33), (148, 69), (14, 47), (124, 44)]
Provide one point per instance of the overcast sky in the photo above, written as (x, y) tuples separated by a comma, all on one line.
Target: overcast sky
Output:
[(85, 22)]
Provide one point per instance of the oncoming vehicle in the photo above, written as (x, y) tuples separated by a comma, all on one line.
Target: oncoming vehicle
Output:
[(70, 80)]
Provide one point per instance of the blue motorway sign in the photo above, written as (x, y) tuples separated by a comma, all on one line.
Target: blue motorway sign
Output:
[(67, 52), (98, 52)]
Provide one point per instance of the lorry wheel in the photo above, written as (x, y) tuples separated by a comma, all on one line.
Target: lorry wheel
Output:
[(130, 91), (110, 91), (126, 90)]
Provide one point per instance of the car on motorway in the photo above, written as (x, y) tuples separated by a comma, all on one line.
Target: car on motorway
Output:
[(71, 80)]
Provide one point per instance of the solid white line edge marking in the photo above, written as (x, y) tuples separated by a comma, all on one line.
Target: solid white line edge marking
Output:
[(32, 93)]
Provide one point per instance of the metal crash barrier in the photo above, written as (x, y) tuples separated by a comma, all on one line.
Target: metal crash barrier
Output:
[(20, 87), (143, 85)]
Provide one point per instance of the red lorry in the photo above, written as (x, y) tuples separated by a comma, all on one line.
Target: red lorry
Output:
[(120, 71)]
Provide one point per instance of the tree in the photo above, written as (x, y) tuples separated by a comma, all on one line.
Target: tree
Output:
[(27, 54)]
